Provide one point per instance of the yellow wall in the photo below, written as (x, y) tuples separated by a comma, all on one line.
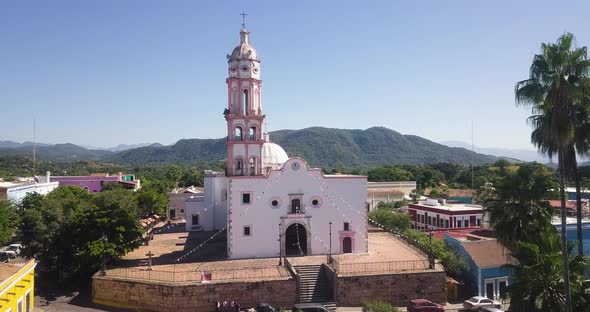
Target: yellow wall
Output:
[(16, 287)]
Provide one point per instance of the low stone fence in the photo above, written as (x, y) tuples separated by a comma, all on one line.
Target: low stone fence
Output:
[(172, 275), (384, 267)]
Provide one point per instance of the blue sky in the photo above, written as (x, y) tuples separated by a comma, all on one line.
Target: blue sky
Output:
[(107, 72)]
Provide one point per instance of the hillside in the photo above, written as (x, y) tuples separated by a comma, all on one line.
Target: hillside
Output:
[(322, 147), (55, 152)]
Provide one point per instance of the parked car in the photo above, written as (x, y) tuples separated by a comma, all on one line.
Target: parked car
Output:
[(7, 255), (16, 248), (309, 307), (423, 305), (476, 302), (489, 309)]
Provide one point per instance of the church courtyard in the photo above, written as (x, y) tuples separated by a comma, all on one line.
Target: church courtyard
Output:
[(208, 263)]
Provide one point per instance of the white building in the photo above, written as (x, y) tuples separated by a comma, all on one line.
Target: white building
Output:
[(264, 194), (388, 192), (177, 200), (16, 191), (433, 215)]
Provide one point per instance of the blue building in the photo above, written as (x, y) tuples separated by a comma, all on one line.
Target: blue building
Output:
[(572, 232), (486, 275), (571, 193)]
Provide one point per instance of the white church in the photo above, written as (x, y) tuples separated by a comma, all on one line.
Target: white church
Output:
[(272, 204)]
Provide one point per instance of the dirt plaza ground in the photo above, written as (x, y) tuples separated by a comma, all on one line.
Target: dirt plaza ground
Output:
[(173, 261)]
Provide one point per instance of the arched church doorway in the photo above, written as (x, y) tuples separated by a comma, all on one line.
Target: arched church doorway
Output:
[(347, 245), (296, 240)]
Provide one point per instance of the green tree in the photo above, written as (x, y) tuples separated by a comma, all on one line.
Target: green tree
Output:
[(31, 200), (537, 279), (107, 229), (391, 219), (389, 173), (153, 197), (519, 209), (8, 221), (112, 186), (556, 85), (126, 199), (191, 177), (174, 173)]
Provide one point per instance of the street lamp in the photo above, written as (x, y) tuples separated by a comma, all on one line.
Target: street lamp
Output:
[(103, 269), (430, 256), (280, 246), (330, 257)]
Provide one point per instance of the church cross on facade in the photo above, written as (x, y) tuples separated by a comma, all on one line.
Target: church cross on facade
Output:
[(243, 14)]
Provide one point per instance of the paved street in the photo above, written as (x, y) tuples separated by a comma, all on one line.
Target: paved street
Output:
[(70, 303)]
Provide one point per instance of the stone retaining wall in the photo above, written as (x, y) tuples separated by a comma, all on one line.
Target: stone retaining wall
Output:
[(150, 296), (396, 289)]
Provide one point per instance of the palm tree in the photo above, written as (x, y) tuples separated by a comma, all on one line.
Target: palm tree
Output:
[(519, 209), (537, 279), (581, 146), (556, 85)]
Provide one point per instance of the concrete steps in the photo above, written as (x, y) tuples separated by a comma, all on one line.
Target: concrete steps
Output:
[(313, 285)]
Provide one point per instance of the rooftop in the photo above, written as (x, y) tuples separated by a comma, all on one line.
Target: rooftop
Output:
[(7, 270), (487, 252), (434, 204)]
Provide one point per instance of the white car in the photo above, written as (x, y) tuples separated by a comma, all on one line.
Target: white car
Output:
[(476, 302), (16, 248)]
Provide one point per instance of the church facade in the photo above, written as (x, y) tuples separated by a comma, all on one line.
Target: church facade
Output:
[(269, 203)]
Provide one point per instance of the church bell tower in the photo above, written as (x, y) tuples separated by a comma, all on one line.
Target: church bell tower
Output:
[(243, 114)]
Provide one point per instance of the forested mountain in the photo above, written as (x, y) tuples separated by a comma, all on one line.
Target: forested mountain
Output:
[(322, 147), (65, 151)]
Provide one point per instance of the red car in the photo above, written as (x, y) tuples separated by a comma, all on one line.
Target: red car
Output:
[(423, 305)]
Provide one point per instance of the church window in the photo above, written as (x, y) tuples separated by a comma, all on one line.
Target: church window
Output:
[(316, 202), (238, 136), (253, 166), (195, 219), (275, 203), (252, 136), (246, 198), (239, 167), (235, 105), (246, 101), (296, 205), (247, 231), (346, 226)]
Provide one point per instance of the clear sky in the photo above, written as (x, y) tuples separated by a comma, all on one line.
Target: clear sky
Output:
[(107, 72)]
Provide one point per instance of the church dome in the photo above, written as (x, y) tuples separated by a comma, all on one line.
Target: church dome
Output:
[(244, 51), (273, 155)]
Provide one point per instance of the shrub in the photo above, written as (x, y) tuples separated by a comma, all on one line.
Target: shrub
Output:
[(379, 306)]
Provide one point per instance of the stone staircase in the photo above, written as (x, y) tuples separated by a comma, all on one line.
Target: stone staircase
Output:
[(313, 285)]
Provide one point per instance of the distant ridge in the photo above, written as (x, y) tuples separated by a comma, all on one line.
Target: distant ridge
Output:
[(321, 147)]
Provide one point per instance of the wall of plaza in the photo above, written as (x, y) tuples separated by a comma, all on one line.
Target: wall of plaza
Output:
[(396, 288), (158, 296)]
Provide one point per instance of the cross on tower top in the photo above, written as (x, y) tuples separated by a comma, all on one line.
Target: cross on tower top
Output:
[(243, 14)]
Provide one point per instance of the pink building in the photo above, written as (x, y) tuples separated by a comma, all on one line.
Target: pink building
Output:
[(94, 182)]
